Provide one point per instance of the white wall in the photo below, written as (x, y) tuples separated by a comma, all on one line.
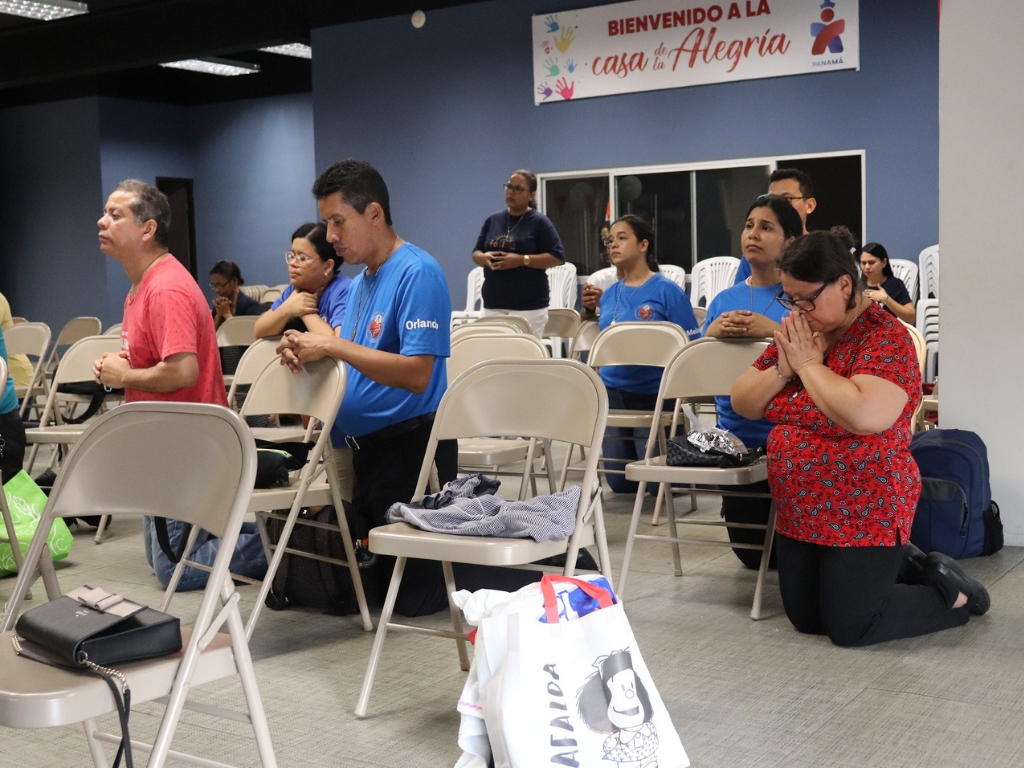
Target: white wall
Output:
[(981, 231)]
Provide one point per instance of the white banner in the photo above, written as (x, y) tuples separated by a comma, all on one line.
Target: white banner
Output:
[(647, 45)]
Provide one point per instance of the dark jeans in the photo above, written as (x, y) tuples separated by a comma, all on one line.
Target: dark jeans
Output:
[(851, 594), (618, 452), (386, 472), (12, 444)]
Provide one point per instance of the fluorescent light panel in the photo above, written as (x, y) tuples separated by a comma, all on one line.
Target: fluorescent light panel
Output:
[(46, 11), (213, 66), (298, 50)]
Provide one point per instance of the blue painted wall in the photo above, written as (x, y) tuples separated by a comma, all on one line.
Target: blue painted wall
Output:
[(51, 268), (446, 112)]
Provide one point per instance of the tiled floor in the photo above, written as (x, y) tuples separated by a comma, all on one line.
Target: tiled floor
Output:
[(741, 693)]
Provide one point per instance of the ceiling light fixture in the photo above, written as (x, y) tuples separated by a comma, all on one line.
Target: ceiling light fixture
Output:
[(213, 66), (46, 11), (298, 50)]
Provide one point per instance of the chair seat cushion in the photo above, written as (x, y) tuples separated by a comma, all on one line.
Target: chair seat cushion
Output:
[(635, 419)]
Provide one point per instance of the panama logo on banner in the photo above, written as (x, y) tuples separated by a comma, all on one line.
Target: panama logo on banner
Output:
[(647, 45)]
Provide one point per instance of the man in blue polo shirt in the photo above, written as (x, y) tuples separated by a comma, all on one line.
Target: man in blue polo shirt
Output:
[(394, 338)]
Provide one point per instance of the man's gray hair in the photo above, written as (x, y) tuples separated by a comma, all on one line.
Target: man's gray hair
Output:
[(149, 203)]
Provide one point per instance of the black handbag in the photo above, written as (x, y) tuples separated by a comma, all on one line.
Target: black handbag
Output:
[(681, 453), (91, 630)]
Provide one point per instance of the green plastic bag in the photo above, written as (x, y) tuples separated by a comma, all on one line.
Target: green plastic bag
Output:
[(26, 502)]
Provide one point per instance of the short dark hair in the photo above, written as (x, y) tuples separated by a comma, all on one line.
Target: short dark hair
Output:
[(878, 251), (228, 270), (150, 203), (784, 211), (823, 257), (316, 235), (803, 179), (643, 230), (359, 184)]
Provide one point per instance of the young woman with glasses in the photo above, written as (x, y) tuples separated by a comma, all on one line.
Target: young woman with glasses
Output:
[(751, 309), (316, 298), (515, 246), (225, 279), (840, 384)]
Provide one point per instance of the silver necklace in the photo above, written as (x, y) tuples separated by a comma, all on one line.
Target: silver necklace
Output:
[(770, 301), (363, 301), (622, 287), (509, 227)]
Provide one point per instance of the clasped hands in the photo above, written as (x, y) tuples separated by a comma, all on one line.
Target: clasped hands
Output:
[(225, 307), (296, 349), (499, 260), (109, 370), (798, 346), (876, 294), (591, 296), (741, 322)]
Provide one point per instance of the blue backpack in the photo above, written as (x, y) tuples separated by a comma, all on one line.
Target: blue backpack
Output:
[(956, 514)]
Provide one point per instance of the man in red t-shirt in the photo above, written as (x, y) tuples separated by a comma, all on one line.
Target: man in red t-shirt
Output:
[(168, 344)]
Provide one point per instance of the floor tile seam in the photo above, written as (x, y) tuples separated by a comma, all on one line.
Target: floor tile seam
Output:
[(951, 699)]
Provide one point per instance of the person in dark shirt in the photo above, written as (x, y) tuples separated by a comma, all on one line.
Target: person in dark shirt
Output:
[(515, 246), (225, 278), (881, 285)]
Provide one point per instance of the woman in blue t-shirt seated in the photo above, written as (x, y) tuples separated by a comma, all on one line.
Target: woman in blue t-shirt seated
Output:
[(881, 285), (643, 293), (751, 310)]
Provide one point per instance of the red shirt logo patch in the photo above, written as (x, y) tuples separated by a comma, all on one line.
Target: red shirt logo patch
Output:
[(644, 312), (376, 324)]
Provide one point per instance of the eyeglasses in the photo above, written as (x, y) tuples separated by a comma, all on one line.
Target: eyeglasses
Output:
[(219, 286), (788, 198), (804, 305), (515, 188), (299, 258)]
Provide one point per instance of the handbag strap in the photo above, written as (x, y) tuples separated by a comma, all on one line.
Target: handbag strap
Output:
[(547, 588), (123, 700)]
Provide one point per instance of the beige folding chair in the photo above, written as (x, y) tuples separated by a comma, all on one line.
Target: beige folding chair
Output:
[(701, 313), (920, 348), (194, 463), (17, 320), (516, 321), (572, 410), (114, 330), (272, 294), (584, 339), (75, 366), (315, 392), (237, 331), (493, 453), (635, 343), (703, 368), (561, 326), (483, 329), (33, 340), (74, 329)]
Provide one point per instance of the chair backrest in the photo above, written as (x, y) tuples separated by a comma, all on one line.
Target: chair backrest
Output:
[(499, 398), (471, 350), (562, 285), (515, 321), (603, 278), (920, 346), (78, 328), (701, 314), (562, 323), (315, 391), (675, 273), (639, 343), (928, 262), (76, 366), (32, 339), (237, 331), (253, 291), (272, 294), (113, 330), (15, 320), (483, 329), (710, 276), (251, 365), (928, 319), (906, 271), (474, 286), (584, 339), (709, 367)]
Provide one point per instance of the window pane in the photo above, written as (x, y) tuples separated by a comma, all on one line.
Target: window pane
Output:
[(664, 200), (577, 208), (723, 196)]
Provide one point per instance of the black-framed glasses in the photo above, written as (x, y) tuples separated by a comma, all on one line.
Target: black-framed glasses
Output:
[(804, 305), (515, 188), (220, 286), (787, 198)]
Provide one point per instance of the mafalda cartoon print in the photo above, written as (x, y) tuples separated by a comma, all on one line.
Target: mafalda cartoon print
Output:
[(614, 701)]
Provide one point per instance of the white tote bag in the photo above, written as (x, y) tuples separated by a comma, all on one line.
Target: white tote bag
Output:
[(576, 693)]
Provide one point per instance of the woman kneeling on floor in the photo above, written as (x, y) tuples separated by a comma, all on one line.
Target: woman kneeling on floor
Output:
[(840, 383)]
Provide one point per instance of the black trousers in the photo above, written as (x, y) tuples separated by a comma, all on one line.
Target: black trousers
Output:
[(386, 473), (743, 509), (851, 594), (12, 444)]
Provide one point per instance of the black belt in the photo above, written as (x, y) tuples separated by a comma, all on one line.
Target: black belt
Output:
[(385, 434)]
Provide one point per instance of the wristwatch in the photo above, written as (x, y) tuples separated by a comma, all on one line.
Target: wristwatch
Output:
[(526, 261)]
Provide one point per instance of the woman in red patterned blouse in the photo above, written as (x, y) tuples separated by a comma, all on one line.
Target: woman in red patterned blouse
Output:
[(841, 383)]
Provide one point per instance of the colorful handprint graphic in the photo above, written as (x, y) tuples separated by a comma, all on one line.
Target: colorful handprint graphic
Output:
[(552, 22), (564, 89), (546, 45), (552, 67), (563, 41), (544, 90), (570, 66)]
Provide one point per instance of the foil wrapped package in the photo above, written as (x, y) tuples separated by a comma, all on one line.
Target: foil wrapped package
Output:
[(717, 441)]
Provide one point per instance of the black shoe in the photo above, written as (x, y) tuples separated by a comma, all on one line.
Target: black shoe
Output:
[(940, 568), (912, 567)]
